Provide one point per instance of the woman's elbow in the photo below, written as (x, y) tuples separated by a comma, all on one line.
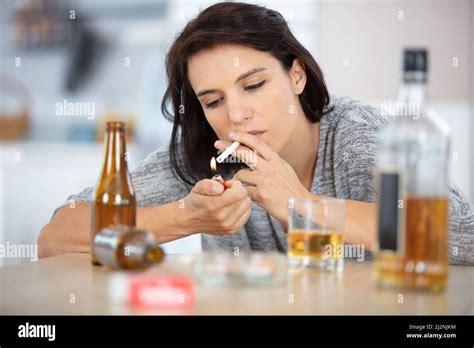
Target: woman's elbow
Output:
[(48, 244)]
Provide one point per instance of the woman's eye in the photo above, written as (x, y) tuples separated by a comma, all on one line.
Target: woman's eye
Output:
[(212, 104), (255, 86)]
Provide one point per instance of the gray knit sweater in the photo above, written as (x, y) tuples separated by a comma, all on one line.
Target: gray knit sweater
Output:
[(344, 169)]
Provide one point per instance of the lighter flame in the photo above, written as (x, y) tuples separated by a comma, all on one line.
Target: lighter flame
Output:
[(213, 164)]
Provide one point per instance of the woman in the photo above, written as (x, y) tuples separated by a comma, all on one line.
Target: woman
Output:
[(236, 73)]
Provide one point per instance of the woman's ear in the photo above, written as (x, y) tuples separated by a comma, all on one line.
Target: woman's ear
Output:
[(298, 76)]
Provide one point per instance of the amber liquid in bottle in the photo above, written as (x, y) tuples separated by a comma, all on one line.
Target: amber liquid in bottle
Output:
[(114, 199), (424, 263)]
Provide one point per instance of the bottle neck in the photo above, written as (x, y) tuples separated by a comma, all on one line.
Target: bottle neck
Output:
[(413, 88), (115, 152), (153, 254)]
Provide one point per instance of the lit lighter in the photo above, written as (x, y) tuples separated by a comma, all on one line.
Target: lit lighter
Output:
[(217, 177)]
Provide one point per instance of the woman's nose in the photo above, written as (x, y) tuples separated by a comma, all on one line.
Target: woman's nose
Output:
[(238, 111)]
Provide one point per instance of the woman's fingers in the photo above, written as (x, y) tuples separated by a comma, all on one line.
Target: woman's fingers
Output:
[(208, 187), (252, 193), (232, 183), (216, 210), (235, 192), (242, 220), (248, 177), (235, 211), (255, 143), (236, 217)]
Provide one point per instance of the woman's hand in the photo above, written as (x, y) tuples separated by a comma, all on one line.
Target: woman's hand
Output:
[(212, 209), (270, 180)]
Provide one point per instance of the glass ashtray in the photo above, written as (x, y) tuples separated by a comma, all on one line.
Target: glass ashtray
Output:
[(249, 268)]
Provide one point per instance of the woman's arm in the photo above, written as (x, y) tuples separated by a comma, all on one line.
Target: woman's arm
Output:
[(360, 224), (69, 230), (360, 221), (208, 207)]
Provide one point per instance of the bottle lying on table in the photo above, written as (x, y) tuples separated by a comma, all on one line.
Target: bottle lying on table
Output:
[(123, 247)]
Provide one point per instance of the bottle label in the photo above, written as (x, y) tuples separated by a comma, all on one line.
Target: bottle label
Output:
[(389, 210)]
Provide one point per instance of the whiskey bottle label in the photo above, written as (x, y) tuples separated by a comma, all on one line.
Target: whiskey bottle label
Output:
[(389, 211)]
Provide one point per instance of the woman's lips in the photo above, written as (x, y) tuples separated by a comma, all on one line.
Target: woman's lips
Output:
[(257, 133)]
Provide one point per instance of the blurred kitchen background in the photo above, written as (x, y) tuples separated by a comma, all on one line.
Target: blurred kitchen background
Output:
[(68, 66)]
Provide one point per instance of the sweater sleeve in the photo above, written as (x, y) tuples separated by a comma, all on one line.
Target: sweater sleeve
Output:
[(355, 148), (461, 228)]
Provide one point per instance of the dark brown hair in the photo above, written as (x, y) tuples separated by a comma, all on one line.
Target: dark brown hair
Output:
[(192, 139)]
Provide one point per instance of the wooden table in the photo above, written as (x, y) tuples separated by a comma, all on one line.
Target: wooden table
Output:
[(68, 284)]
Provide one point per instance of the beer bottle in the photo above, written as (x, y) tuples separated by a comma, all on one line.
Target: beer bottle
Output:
[(114, 199), (123, 247)]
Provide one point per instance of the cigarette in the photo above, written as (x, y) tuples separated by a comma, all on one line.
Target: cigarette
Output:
[(228, 152)]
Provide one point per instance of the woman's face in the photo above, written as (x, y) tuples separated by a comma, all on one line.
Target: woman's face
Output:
[(245, 90)]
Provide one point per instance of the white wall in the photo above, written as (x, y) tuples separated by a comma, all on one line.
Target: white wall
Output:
[(361, 51), (301, 15), (472, 98), (371, 35)]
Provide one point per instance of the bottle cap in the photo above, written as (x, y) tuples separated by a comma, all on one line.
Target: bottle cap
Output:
[(415, 60), (115, 125)]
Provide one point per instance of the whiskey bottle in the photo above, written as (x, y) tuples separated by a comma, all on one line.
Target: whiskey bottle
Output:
[(413, 180)]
